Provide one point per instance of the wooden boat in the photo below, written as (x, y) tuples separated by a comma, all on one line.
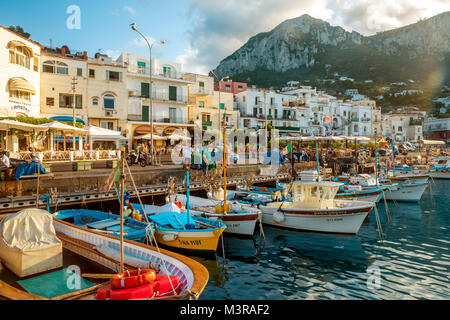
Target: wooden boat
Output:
[(357, 193), (106, 223), (313, 208), (440, 168), (240, 220), (183, 231), (103, 249)]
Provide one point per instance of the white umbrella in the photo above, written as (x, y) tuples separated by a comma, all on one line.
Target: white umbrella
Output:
[(148, 137), (104, 134), (64, 127), (177, 137)]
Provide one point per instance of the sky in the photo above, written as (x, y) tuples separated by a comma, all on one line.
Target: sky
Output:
[(199, 33)]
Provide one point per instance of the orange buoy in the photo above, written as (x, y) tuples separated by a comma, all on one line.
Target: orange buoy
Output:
[(179, 204), (134, 278)]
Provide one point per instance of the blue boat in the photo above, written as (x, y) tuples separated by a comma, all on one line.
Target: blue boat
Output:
[(106, 223)]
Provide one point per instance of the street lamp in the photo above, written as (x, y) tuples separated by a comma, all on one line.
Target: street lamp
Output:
[(150, 46)]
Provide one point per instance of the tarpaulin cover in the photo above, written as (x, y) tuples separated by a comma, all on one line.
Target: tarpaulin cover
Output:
[(28, 242), (28, 169), (173, 219), (55, 284)]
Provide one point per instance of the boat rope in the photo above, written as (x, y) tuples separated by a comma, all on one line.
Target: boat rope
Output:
[(386, 207), (153, 237), (392, 197), (223, 248), (380, 230), (261, 231)]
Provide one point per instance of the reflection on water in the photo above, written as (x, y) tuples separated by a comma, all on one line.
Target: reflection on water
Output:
[(412, 263)]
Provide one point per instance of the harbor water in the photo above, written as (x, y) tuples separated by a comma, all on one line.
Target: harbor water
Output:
[(413, 262)]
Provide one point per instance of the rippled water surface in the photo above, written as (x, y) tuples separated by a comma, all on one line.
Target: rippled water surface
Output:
[(412, 263)]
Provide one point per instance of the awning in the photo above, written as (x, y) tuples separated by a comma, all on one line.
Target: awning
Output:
[(431, 142), (16, 43), (7, 124), (148, 137), (55, 125), (98, 133), (66, 119), (21, 84)]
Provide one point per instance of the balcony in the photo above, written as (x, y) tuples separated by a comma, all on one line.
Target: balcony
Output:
[(162, 96), (416, 122), (315, 123), (365, 119), (354, 119)]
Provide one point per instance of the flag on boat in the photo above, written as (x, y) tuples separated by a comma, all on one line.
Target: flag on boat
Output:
[(112, 178)]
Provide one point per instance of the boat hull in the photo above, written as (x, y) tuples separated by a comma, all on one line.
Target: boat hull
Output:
[(189, 240), (241, 224), (440, 174), (406, 192), (342, 220), (374, 196)]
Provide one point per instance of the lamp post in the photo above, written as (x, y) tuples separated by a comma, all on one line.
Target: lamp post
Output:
[(223, 79), (150, 46)]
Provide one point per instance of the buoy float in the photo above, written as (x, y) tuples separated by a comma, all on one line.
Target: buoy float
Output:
[(278, 216), (134, 278)]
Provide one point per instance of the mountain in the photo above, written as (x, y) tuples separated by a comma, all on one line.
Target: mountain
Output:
[(308, 48)]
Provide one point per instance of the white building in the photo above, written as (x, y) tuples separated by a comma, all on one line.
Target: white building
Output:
[(169, 95), (20, 60)]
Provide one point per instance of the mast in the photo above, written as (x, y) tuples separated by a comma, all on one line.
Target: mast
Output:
[(317, 156), (187, 191), (122, 187), (356, 154), (224, 169), (376, 157)]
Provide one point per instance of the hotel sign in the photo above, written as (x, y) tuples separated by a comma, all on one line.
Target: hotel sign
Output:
[(20, 107)]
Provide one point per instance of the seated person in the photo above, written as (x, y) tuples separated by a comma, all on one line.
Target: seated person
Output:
[(4, 161)]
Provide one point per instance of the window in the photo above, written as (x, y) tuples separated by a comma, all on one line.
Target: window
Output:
[(107, 125), (145, 113), (172, 93), (141, 66), (66, 101), (21, 95), (108, 101), (79, 72), (113, 75), (145, 89), (227, 87), (240, 88), (201, 87), (272, 101), (55, 67), (95, 101), (36, 64), (50, 102), (201, 104), (91, 73), (206, 117), (20, 56)]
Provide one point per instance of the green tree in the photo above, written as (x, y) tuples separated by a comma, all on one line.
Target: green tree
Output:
[(19, 30)]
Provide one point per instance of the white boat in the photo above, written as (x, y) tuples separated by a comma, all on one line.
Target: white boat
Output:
[(240, 220), (357, 193), (440, 168), (314, 208), (405, 192)]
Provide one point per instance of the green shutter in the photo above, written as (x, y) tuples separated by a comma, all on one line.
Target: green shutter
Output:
[(145, 113), (145, 89), (141, 64), (172, 93), (222, 106)]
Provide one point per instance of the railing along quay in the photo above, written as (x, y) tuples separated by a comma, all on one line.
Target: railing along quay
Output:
[(14, 204)]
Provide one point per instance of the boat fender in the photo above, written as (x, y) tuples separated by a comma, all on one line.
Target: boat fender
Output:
[(169, 236), (133, 278), (278, 216)]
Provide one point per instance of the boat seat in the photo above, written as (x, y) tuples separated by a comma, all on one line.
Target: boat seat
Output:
[(117, 228), (102, 224)]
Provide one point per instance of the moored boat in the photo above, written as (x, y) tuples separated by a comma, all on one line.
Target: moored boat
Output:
[(314, 208)]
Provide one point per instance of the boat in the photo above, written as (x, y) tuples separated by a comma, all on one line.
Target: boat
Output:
[(349, 192), (240, 220), (181, 230), (106, 223), (103, 250), (440, 168), (314, 208)]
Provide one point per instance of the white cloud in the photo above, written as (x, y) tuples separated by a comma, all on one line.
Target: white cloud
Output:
[(130, 10), (219, 30), (114, 54)]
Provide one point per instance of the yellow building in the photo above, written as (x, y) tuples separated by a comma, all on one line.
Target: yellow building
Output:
[(204, 102), (101, 96)]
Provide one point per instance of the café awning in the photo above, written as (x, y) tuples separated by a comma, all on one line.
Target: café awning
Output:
[(21, 84), (59, 126), (98, 133), (7, 124)]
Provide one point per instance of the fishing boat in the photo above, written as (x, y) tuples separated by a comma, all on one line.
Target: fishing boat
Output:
[(440, 168), (314, 208), (106, 223), (349, 192), (103, 250), (181, 230), (240, 220)]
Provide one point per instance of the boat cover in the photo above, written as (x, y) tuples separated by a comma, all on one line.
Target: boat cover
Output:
[(173, 219), (149, 209), (28, 242)]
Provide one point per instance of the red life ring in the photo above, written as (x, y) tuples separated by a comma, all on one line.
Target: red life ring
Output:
[(179, 204), (134, 278), (444, 170)]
